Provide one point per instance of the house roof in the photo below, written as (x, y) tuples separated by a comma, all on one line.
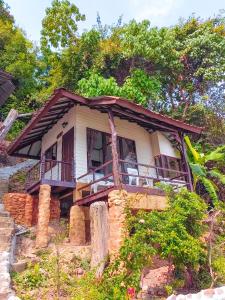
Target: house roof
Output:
[(6, 86), (28, 143)]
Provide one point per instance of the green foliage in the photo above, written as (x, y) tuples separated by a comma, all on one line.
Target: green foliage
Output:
[(173, 234), (4, 12), (30, 279), (59, 26), (204, 168), (138, 87)]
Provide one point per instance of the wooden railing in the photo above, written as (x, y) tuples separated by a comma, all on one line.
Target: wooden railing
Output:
[(100, 177), (33, 175), (150, 174), (50, 171), (131, 173)]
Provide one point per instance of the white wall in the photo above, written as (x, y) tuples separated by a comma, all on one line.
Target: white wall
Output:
[(161, 145), (51, 137), (86, 117)]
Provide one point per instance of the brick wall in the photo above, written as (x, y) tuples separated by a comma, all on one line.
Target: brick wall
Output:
[(24, 208)]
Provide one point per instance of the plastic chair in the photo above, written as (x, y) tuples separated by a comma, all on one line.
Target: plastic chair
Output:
[(132, 171)]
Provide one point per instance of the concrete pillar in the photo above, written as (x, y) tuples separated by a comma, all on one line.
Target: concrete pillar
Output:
[(116, 202), (43, 216), (77, 225), (99, 236)]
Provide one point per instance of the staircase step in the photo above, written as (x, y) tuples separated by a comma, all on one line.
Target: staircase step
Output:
[(6, 224), (6, 231), (4, 214), (5, 295), (4, 246), (5, 238)]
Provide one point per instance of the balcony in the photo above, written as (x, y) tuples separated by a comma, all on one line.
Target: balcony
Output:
[(58, 174), (133, 177)]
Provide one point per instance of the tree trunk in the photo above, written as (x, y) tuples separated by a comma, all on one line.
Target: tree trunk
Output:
[(7, 124), (99, 236)]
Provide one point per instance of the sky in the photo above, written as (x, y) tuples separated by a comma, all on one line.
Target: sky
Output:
[(29, 13)]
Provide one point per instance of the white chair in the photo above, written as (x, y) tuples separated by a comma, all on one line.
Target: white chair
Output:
[(132, 171), (99, 183)]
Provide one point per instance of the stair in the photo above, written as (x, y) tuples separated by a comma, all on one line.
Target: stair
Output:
[(6, 233)]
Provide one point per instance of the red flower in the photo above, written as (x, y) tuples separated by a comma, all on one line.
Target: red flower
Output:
[(131, 292)]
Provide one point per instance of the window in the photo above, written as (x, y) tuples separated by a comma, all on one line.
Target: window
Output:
[(50, 154), (99, 150), (168, 162), (99, 144)]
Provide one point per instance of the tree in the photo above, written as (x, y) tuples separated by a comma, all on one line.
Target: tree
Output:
[(59, 26), (18, 57), (4, 12), (138, 87), (205, 170)]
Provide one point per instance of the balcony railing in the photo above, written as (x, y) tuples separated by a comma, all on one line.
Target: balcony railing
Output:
[(131, 174), (52, 172)]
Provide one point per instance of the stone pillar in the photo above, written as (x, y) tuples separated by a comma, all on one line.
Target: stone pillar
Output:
[(77, 225), (116, 201), (99, 236), (28, 213), (43, 216)]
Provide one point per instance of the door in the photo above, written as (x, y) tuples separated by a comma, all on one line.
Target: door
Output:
[(67, 156)]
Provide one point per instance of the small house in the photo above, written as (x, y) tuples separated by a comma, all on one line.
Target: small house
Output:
[(87, 147)]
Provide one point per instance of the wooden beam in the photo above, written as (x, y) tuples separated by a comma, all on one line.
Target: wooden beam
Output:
[(115, 156), (185, 160), (7, 124), (144, 120)]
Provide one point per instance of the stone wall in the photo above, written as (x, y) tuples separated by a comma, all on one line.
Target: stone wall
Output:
[(116, 203), (117, 200), (24, 208)]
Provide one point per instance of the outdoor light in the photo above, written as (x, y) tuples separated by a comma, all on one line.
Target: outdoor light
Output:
[(64, 124)]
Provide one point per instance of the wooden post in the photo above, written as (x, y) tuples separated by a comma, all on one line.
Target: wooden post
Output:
[(7, 124), (184, 155), (42, 167), (99, 236), (115, 157)]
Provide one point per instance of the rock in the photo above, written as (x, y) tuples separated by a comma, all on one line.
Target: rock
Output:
[(79, 271), (13, 298), (213, 294), (19, 266)]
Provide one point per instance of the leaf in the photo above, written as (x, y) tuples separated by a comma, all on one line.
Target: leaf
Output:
[(195, 154), (217, 174), (197, 170), (209, 186), (217, 155)]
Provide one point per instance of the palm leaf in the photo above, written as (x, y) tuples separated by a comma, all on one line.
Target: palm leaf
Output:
[(210, 188), (197, 170), (217, 174), (217, 155), (194, 153)]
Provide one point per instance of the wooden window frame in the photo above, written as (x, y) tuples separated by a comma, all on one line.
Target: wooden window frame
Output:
[(119, 143), (162, 161), (49, 165)]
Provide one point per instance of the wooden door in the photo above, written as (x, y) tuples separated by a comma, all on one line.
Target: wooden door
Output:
[(68, 156)]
